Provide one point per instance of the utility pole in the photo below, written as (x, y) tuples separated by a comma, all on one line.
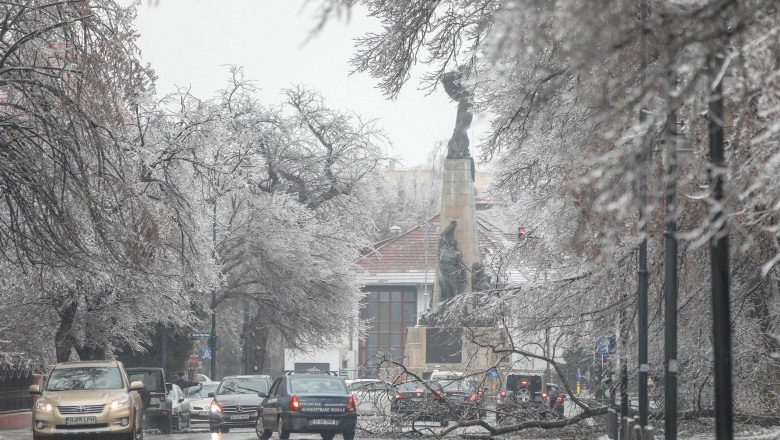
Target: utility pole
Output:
[(719, 260), (670, 266), (644, 367)]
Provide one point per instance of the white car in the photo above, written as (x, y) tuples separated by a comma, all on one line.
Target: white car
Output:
[(200, 402), (180, 408), (372, 396)]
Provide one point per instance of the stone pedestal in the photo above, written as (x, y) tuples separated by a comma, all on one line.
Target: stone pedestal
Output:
[(451, 349), (457, 203)]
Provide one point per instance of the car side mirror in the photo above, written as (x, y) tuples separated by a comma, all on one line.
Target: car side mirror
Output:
[(136, 385), (262, 394), (564, 396), (181, 399), (34, 389), (211, 394)]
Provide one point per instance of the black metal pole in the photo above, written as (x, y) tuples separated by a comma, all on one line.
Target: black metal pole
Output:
[(623, 362), (213, 339), (719, 261), (644, 367), (670, 272), (164, 354)]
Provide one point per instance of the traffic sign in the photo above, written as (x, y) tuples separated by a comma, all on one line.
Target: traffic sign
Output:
[(198, 335), (205, 353), (492, 373), (603, 345)]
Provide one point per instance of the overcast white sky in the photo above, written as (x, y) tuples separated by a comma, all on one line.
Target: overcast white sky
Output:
[(190, 43)]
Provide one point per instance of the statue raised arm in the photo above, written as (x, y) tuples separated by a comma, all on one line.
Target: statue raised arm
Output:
[(458, 146)]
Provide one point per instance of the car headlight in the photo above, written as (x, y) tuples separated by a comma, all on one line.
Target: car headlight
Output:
[(120, 403), (42, 405), (215, 408)]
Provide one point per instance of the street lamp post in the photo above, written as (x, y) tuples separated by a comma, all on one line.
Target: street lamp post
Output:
[(213, 339)]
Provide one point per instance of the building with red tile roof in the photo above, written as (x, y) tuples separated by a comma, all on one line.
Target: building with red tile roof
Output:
[(399, 274)]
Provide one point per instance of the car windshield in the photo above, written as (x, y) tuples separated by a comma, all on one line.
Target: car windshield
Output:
[(202, 390), (243, 385), (327, 385), (84, 378), (367, 386)]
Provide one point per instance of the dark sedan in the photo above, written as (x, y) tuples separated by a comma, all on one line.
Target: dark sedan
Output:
[(236, 401), (463, 397), (307, 403), (415, 400)]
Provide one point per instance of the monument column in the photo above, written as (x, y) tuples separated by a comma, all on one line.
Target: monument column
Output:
[(457, 204)]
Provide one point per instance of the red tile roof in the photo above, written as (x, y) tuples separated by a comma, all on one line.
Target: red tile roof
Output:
[(402, 258)]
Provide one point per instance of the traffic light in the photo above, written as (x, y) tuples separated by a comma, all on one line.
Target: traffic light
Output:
[(520, 232)]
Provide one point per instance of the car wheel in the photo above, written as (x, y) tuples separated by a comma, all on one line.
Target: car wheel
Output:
[(327, 435), (213, 429), (224, 429), (524, 395), (283, 433), (260, 430), (349, 435)]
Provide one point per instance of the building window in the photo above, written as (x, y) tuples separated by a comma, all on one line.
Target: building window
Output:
[(388, 313)]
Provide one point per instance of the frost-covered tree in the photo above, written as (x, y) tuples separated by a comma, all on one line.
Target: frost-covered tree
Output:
[(566, 84), (286, 191), (88, 245)]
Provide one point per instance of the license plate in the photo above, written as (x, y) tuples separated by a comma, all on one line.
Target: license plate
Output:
[(80, 420), (240, 417), (323, 422), (203, 413)]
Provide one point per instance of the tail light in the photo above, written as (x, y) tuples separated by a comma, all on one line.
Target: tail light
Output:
[(401, 396), (544, 395), (559, 399), (295, 406), (473, 397), (503, 393), (351, 405), (524, 382), (479, 392), (437, 397)]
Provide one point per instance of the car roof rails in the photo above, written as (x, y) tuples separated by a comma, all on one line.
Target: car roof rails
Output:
[(311, 371)]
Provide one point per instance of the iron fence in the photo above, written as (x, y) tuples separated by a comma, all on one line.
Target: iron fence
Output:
[(14, 382)]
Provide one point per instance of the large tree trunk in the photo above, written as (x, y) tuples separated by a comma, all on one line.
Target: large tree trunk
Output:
[(762, 299), (63, 339)]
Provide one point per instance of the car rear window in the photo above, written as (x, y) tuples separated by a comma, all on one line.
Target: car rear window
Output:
[(455, 385), (416, 387), (303, 385), (243, 385), (151, 380), (84, 378)]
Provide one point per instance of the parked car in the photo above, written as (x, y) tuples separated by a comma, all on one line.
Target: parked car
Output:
[(203, 378), (463, 397), (157, 414), (416, 400), (200, 402), (310, 403), (88, 398), (372, 396), (181, 412), (236, 401)]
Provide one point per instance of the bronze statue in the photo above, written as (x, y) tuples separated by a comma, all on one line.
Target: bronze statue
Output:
[(458, 146), (451, 273)]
